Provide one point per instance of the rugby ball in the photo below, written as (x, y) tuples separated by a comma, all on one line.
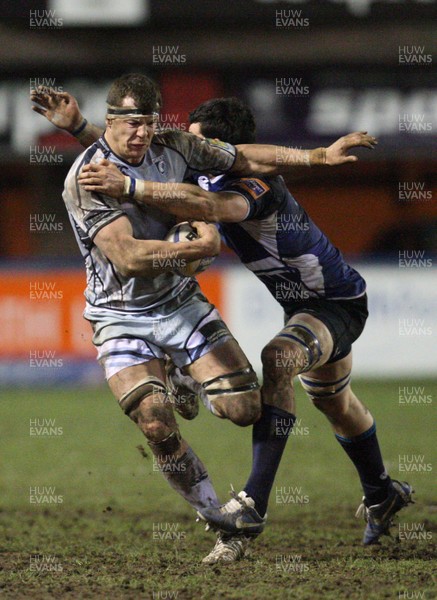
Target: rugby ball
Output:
[(184, 232)]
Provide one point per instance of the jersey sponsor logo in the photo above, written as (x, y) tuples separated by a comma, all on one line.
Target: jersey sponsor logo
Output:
[(255, 187), (203, 182)]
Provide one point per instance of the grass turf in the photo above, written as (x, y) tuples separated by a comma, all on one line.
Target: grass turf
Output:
[(109, 526)]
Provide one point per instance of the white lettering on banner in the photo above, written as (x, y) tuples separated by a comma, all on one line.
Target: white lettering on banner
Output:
[(379, 110), (331, 111), (111, 12), (358, 8)]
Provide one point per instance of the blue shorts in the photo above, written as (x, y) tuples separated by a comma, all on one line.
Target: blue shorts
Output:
[(345, 320)]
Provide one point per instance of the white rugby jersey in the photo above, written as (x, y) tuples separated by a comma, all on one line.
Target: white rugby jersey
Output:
[(172, 156)]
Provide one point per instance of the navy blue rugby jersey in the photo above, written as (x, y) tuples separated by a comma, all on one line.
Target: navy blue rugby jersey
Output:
[(281, 245)]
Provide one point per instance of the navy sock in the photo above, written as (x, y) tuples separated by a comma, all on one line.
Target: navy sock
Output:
[(364, 452), (269, 437)]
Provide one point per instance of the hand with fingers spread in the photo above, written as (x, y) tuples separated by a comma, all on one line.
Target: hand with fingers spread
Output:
[(337, 153), (60, 108), (104, 178)]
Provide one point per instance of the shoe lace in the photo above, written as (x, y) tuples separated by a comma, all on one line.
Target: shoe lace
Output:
[(231, 506), (361, 511), (234, 504)]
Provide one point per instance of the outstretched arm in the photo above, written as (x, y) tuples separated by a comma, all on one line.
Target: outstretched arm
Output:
[(276, 160), (62, 109)]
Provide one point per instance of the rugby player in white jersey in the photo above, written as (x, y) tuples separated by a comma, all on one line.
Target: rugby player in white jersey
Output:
[(139, 307), (113, 351)]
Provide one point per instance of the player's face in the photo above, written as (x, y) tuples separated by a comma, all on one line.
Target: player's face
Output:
[(131, 138)]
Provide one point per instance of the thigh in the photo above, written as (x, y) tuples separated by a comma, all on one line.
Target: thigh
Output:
[(225, 358), (197, 330), (229, 382), (345, 320), (127, 355), (329, 381), (124, 380), (332, 371)]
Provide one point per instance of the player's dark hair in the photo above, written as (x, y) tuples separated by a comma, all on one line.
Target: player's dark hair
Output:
[(228, 119), (143, 90)]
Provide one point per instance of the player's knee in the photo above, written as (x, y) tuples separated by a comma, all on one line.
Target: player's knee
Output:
[(146, 404), (269, 358), (242, 411), (281, 360), (155, 419), (296, 349), (158, 424), (235, 396), (155, 431)]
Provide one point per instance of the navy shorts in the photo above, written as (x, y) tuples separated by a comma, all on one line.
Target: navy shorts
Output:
[(345, 319)]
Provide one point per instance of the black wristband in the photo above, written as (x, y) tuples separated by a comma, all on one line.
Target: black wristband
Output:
[(80, 128)]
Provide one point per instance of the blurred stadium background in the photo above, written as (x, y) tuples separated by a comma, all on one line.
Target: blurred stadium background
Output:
[(311, 71)]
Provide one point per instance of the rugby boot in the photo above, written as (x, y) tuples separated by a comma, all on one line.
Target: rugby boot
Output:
[(237, 516), (379, 517), (228, 548)]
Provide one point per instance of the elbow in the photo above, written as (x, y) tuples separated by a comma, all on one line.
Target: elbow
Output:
[(131, 270), (241, 165), (125, 263)]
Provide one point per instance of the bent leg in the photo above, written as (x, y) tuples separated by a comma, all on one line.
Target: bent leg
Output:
[(229, 383), (142, 394), (303, 342)]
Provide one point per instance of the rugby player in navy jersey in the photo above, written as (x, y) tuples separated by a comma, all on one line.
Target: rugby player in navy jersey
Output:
[(324, 300), (325, 307)]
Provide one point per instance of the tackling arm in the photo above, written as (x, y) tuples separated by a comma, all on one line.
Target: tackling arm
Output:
[(181, 199), (136, 258)]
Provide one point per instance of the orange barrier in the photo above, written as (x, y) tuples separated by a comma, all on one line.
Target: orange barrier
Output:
[(41, 311)]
